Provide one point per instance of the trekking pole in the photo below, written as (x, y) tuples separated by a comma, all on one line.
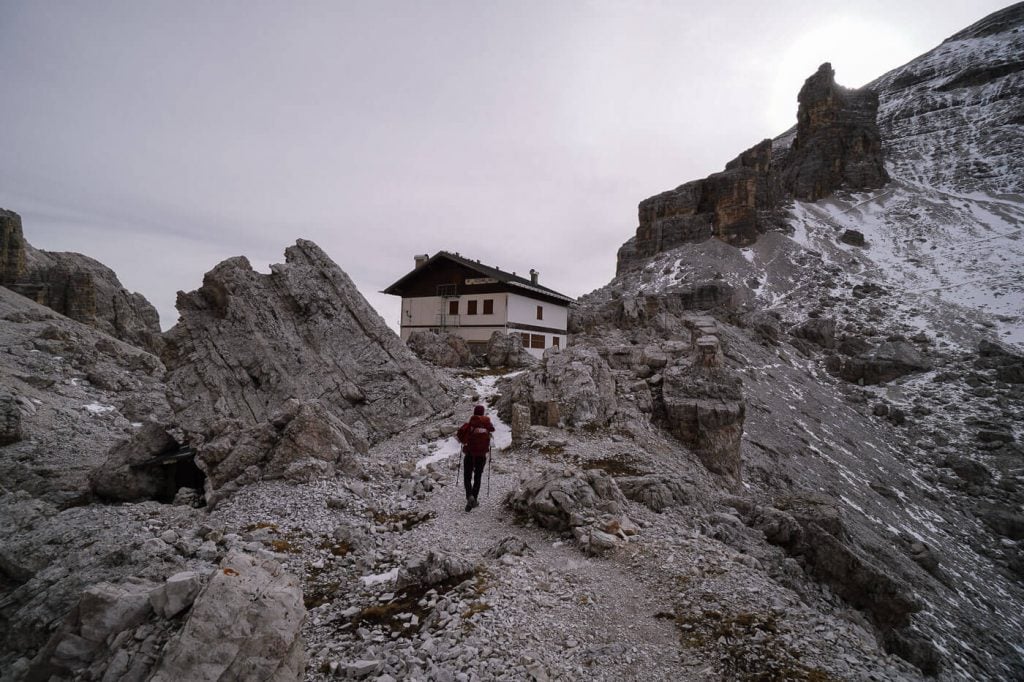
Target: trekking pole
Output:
[(458, 463), (489, 463)]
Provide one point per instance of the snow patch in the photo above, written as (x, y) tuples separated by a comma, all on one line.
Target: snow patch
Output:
[(380, 578)]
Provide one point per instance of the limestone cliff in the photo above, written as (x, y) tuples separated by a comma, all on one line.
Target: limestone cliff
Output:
[(836, 145), (75, 286)]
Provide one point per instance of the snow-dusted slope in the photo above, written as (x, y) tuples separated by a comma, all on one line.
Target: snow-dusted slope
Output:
[(950, 226)]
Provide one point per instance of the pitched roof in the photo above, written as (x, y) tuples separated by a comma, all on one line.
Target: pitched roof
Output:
[(485, 270)]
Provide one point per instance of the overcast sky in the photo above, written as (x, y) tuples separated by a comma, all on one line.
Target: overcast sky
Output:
[(163, 137)]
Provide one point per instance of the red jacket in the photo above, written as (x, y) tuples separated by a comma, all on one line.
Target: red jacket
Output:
[(475, 435)]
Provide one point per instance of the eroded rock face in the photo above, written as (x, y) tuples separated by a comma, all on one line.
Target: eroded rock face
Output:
[(723, 205), (75, 286), (441, 349), (572, 387), (12, 247), (249, 342)]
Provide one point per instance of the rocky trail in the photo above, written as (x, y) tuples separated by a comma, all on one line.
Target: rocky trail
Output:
[(402, 583)]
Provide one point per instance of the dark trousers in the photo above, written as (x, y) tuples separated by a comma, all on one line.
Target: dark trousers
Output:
[(473, 473)]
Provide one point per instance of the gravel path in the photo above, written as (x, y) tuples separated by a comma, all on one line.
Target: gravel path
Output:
[(682, 600)]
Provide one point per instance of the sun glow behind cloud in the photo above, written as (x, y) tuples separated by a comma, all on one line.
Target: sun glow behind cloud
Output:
[(859, 50)]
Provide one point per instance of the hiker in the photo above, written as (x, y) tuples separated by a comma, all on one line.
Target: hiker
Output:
[(475, 436)]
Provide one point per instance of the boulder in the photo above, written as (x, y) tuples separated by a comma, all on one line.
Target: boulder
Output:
[(888, 361), (434, 568), (571, 387), (818, 330), (177, 594), (104, 611), (506, 350), (853, 238), (245, 624), (1008, 364), (443, 349), (520, 423), (509, 544), (969, 470)]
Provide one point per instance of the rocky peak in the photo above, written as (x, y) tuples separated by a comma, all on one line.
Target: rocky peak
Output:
[(290, 365), (837, 141), (837, 145), (75, 286), (12, 247)]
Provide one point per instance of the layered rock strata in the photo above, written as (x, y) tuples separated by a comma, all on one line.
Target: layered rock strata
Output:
[(836, 145)]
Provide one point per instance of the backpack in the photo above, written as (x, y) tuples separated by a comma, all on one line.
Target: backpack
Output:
[(475, 438)]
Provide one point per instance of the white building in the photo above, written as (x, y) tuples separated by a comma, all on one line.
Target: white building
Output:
[(450, 293)]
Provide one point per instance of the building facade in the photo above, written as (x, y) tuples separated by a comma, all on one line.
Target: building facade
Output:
[(447, 292)]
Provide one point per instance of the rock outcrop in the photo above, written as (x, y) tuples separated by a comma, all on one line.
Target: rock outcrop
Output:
[(837, 142), (571, 387), (122, 477), (75, 286), (12, 248), (10, 420), (704, 408), (247, 343), (725, 205), (836, 145), (70, 393), (441, 349), (433, 568), (587, 503), (506, 350)]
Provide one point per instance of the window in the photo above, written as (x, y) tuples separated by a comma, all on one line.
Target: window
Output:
[(453, 307), (526, 340), (536, 340), (471, 307), (555, 341), (488, 306), (540, 312)]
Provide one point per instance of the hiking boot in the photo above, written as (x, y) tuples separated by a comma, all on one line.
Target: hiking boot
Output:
[(469, 503), (475, 502)]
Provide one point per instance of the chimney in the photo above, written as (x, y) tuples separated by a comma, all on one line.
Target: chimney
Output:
[(421, 259), (533, 276)]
